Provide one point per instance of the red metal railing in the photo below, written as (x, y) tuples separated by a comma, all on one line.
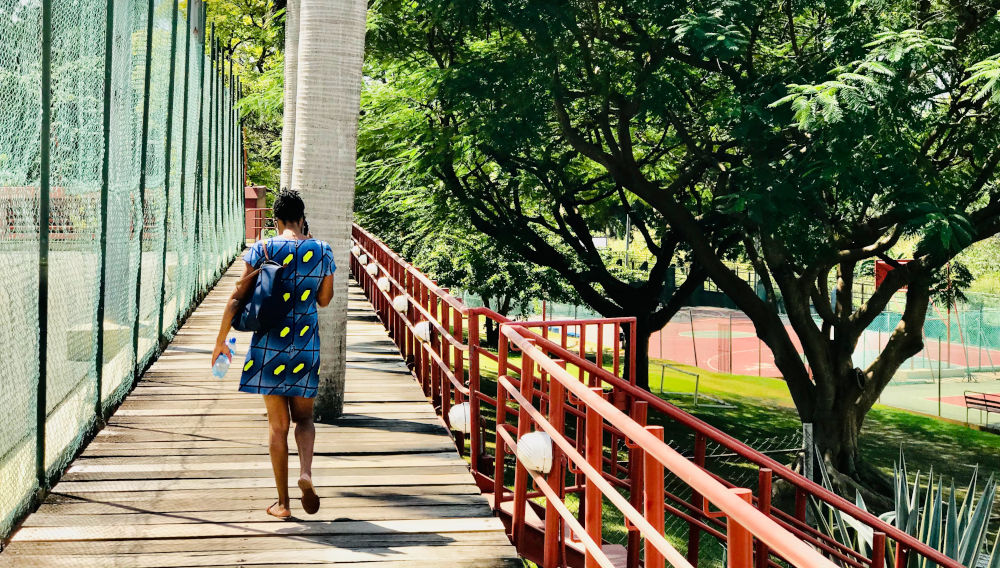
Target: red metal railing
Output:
[(603, 447), (257, 220)]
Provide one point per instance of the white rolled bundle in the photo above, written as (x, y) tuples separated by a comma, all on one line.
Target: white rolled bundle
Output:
[(363, 259), (422, 330), (535, 451), (460, 417), (399, 303), (383, 284), (372, 269), (355, 250)]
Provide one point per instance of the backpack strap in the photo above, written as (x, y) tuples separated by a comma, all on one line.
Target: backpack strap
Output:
[(253, 273)]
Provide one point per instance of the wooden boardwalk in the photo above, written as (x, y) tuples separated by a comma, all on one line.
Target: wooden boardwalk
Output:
[(181, 475)]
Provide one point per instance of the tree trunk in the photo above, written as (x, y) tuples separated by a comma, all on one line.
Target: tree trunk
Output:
[(492, 334), (328, 97), (836, 432), (642, 335), (291, 76)]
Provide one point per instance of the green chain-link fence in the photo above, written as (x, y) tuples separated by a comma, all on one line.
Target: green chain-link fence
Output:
[(121, 189)]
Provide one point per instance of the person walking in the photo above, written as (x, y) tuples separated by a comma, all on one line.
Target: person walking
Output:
[(282, 363)]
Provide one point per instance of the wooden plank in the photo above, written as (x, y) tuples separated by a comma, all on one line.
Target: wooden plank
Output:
[(265, 527), (170, 504), (320, 474), (443, 553), (151, 498), (246, 515), (215, 544), (256, 482), (185, 463)]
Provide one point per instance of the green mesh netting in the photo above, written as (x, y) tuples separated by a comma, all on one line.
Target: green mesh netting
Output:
[(122, 250), (76, 143), (173, 218), (155, 195), (147, 212), (20, 93)]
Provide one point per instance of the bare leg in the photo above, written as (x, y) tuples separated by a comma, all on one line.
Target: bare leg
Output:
[(305, 438), (305, 432), (277, 419)]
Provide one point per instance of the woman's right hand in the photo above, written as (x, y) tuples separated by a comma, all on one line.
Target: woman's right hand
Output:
[(220, 349)]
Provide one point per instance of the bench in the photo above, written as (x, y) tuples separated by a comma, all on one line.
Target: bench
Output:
[(983, 402)]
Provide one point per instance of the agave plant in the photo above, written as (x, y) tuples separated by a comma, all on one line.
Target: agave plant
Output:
[(935, 516)]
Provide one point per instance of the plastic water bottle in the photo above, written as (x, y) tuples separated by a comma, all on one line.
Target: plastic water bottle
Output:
[(222, 362)]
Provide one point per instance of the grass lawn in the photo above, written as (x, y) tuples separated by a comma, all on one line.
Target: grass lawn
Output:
[(763, 407)]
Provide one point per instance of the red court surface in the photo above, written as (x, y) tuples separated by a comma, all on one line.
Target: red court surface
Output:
[(715, 339), (723, 340), (954, 400)]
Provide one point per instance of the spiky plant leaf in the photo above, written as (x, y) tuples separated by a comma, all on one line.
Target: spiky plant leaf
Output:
[(995, 557), (835, 512), (934, 518), (950, 547), (975, 534), (970, 500)]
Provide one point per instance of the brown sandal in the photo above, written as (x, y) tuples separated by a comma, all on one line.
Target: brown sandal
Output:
[(310, 500), (282, 517)]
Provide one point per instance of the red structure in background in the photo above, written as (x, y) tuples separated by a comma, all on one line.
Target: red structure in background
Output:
[(255, 210), (882, 269), (603, 450)]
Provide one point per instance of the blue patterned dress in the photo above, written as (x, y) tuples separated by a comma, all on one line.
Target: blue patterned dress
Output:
[(284, 360)]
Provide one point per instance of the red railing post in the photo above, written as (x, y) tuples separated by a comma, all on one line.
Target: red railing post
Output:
[(738, 538), (764, 504), (520, 473), (424, 358), (653, 495), (697, 502), (475, 433), (902, 554), (801, 501), (498, 488), (594, 454), (878, 550), (437, 374), (635, 486), (556, 478)]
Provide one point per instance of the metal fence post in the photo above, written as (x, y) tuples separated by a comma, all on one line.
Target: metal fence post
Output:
[(168, 148), (105, 174), (184, 137), (209, 182), (142, 189), (230, 150), (199, 173), (219, 101), (43, 245)]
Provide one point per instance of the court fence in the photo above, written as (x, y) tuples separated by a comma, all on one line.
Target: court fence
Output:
[(121, 191), (961, 342)]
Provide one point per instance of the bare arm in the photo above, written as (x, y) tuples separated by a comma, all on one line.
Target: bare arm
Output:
[(244, 288), (325, 293)]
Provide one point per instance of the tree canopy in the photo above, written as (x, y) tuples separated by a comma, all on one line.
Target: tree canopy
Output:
[(806, 137)]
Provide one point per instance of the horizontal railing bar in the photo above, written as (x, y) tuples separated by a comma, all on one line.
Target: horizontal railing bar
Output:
[(764, 528), (567, 515), (652, 535)]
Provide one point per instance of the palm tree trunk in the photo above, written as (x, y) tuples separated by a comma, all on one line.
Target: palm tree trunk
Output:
[(291, 76), (327, 104)]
